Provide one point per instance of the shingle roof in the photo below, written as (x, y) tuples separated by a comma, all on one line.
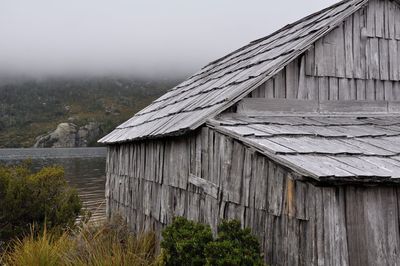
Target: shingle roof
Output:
[(225, 81), (330, 148)]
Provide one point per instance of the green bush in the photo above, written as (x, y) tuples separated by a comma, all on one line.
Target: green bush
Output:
[(189, 243), (184, 242), (233, 246), (40, 198)]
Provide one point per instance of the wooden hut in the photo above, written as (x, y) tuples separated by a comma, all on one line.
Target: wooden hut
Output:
[(297, 135)]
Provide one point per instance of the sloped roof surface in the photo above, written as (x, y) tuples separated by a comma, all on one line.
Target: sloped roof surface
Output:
[(338, 148), (225, 81)]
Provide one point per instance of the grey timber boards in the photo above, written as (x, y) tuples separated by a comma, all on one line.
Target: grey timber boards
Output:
[(222, 83), (348, 63), (297, 221), (360, 148), (274, 107)]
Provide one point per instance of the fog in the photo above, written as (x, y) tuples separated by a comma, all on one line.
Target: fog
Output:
[(146, 38)]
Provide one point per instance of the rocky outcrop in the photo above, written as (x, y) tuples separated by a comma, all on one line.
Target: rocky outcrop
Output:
[(69, 135)]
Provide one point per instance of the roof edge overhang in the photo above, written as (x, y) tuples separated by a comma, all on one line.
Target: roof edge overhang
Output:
[(301, 173)]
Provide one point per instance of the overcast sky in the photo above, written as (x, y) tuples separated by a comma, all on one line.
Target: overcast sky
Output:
[(136, 37)]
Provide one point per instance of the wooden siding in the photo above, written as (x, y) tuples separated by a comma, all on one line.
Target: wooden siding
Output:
[(359, 60), (209, 176)]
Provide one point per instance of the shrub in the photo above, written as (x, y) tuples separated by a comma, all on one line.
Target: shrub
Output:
[(40, 198), (184, 242), (189, 243), (233, 246)]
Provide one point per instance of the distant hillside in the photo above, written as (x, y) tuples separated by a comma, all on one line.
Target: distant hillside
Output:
[(30, 109)]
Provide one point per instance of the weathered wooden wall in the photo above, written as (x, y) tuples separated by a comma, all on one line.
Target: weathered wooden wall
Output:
[(359, 60), (209, 176)]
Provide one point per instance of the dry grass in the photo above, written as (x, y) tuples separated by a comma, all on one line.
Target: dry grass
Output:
[(106, 244)]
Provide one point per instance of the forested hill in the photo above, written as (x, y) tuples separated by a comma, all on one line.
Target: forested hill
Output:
[(32, 108)]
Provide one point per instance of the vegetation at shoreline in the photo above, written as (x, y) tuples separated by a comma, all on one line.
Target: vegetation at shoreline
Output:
[(31, 108), (38, 199)]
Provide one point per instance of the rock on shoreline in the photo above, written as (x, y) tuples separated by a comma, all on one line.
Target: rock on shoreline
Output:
[(69, 135)]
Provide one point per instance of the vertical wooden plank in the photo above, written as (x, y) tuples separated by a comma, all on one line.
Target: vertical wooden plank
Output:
[(393, 60), (217, 159), (319, 59), (348, 37), (275, 189), (235, 178), (360, 89), (340, 54), (303, 91), (269, 89), (396, 91), (391, 213), (323, 88), (344, 89), (247, 173), (204, 153), (386, 14), (370, 90), (330, 46), (310, 235), (388, 90), (356, 45), (373, 58), (355, 226), (371, 18), (211, 162), (260, 178), (198, 155), (363, 44), (312, 86), (226, 157), (319, 226), (398, 58), (374, 229), (384, 59), (280, 85), (310, 61), (379, 18), (333, 89), (352, 89), (391, 20), (397, 22), (261, 91), (379, 90), (292, 79)]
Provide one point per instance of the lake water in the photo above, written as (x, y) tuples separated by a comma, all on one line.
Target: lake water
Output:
[(84, 169)]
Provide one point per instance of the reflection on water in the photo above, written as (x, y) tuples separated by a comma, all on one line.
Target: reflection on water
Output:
[(84, 169)]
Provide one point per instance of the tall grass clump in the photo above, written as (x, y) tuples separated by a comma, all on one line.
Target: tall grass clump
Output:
[(39, 249), (105, 244), (112, 244)]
